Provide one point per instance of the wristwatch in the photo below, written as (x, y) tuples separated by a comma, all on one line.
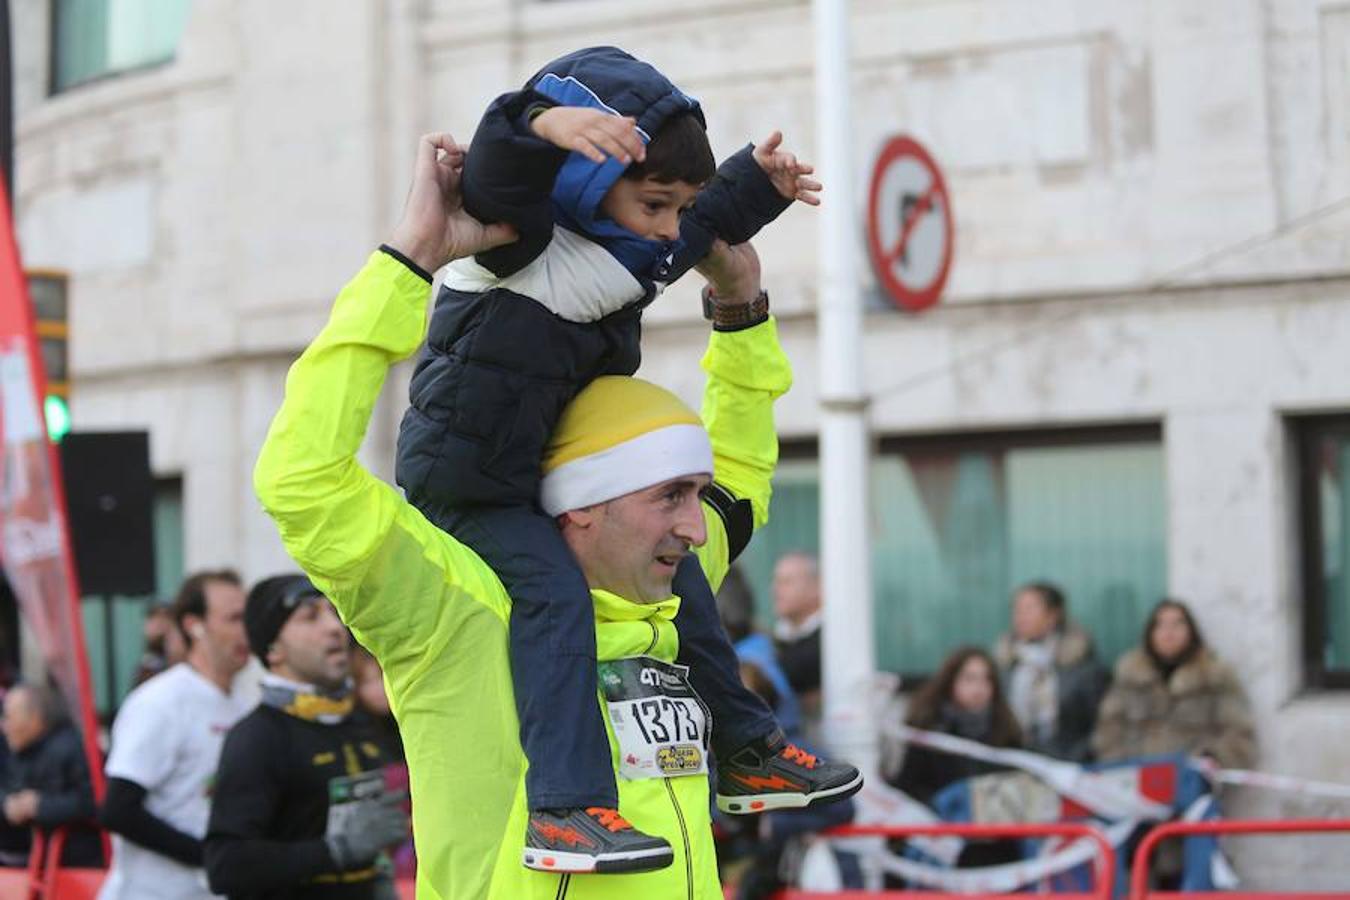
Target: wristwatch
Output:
[(735, 316)]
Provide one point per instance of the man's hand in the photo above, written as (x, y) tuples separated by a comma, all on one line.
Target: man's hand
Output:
[(21, 807), (592, 133), (787, 174), (362, 832), (435, 228), (732, 271)]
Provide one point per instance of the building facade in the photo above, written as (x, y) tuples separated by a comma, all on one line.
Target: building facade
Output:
[(1137, 383)]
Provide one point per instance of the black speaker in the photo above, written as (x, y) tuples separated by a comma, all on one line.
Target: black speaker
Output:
[(109, 493)]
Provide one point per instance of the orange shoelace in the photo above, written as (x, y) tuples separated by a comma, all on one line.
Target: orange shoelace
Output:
[(793, 753), (609, 818)]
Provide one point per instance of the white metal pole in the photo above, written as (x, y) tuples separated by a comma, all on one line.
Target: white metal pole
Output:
[(846, 565)]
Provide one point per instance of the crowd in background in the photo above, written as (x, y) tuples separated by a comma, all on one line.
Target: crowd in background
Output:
[(206, 664), (256, 753), (1041, 687)]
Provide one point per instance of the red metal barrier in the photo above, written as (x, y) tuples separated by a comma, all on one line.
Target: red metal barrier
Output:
[(23, 884), (1105, 868), (60, 883), (1139, 869)]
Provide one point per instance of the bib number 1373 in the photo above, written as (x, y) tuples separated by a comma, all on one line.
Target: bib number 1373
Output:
[(659, 721)]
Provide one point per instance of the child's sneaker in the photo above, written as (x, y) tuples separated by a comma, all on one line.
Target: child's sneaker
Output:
[(773, 774), (594, 839)]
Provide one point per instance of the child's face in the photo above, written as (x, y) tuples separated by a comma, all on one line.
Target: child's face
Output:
[(649, 208)]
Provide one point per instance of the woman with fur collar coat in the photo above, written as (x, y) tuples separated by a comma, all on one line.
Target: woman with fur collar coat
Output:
[(1172, 694)]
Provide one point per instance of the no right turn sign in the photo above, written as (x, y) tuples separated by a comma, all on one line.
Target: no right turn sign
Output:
[(909, 225)]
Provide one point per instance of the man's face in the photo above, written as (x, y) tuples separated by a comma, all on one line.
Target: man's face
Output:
[(1032, 617), (647, 207), (632, 545), (312, 647), (796, 588), (22, 724), (222, 635)]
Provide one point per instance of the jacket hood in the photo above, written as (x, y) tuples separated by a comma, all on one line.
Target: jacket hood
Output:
[(612, 80)]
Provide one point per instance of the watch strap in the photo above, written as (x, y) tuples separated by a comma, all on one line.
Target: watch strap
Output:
[(735, 316)]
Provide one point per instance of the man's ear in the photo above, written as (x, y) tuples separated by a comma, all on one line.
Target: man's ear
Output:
[(194, 627), (577, 518)]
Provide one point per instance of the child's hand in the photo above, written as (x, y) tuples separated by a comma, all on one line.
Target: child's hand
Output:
[(787, 174), (592, 133)]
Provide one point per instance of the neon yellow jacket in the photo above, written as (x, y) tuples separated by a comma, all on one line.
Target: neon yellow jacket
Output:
[(436, 616)]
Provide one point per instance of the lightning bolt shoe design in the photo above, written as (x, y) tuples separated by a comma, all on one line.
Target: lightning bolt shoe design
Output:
[(773, 774), (594, 839)]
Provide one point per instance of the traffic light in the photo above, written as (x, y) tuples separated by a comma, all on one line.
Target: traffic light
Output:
[(48, 290)]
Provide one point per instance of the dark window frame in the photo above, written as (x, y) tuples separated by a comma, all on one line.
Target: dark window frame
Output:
[(808, 447), (1309, 432)]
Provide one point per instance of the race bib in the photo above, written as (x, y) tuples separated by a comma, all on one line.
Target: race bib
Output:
[(660, 723)]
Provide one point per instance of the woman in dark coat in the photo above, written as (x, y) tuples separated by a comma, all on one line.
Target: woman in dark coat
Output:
[(1050, 672), (963, 699)]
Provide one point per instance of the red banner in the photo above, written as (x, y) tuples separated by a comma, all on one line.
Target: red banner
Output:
[(35, 547)]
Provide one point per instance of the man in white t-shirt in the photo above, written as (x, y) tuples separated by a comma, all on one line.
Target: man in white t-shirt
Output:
[(166, 749)]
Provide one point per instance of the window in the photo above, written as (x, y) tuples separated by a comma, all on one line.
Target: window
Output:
[(959, 522), (94, 38), (1324, 456)]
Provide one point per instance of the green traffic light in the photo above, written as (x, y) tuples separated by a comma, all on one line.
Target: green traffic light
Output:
[(58, 417)]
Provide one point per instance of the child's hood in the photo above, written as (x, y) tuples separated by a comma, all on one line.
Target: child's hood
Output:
[(610, 79)]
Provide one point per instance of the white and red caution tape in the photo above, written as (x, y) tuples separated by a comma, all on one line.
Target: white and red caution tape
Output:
[(883, 805), (1107, 796), (1102, 794), (1269, 781)]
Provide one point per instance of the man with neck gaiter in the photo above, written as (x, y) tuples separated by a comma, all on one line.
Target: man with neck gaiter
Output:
[(301, 809)]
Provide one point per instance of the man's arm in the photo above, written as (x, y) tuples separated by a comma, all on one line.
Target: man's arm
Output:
[(341, 524), (145, 740), (75, 803), (747, 371), (124, 813)]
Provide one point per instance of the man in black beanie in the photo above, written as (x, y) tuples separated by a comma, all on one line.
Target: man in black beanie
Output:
[(301, 810)]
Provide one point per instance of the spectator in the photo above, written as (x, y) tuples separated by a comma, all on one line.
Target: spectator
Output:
[(1171, 694), (1053, 678), (47, 782), (301, 809), (164, 645), (964, 699), (796, 602), (374, 712), (166, 746), (760, 668), (767, 838), (372, 703)]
